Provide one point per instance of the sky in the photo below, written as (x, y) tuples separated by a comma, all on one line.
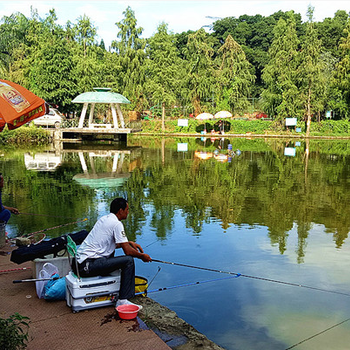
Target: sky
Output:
[(179, 15)]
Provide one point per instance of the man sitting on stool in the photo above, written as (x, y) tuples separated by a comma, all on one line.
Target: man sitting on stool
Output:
[(95, 256)]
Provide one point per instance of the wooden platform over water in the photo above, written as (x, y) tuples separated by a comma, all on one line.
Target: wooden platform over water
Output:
[(81, 134)]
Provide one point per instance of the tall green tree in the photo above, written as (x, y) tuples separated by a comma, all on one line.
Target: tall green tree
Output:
[(131, 51), (234, 78), (51, 72), (341, 81), (281, 95), (13, 31), (87, 55), (85, 33), (164, 69), (200, 77), (312, 79)]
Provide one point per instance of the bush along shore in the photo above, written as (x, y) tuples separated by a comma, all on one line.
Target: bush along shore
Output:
[(326, 128)]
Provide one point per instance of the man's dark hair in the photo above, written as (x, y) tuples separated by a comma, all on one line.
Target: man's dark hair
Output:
[(117, 204)]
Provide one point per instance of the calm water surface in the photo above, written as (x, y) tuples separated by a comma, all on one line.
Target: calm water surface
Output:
[(276, 211)]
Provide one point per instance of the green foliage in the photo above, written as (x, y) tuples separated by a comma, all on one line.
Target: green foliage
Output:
[(131, 53), (25, 136), (163, 71), (200, 76), (234, 80), (341, 80), (281, 96), (14, 332), (331, 127)]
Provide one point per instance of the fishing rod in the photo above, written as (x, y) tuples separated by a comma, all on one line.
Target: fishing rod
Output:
[(36, 279), (187, 284), (51, 228), (253, 277), (317, 334), (18, 269)]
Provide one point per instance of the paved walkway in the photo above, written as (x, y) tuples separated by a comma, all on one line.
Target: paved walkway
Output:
[(54, 326)]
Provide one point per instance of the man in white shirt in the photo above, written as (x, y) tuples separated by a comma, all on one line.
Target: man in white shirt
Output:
[(95, 256)]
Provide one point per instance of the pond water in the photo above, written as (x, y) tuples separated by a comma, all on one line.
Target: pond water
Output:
[(275, 211)]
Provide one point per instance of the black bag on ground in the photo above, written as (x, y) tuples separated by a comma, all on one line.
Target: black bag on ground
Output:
[(53, 246)]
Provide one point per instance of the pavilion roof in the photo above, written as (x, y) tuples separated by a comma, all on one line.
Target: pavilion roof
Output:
[(100, 95)]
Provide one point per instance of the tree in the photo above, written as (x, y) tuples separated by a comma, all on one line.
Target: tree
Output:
[(341, 80), (13, 32), (331, 30), (51, 70), (281, 95), (164, 68), (87, 55), (312, 82), (234, 78), (131, 52), (200, 76)]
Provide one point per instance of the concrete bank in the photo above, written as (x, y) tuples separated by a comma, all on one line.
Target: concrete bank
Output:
[(54, 326)]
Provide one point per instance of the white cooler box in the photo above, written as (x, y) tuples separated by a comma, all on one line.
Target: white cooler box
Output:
[(91, 292)]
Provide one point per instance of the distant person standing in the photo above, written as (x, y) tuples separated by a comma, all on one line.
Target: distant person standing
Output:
[(5, 212)]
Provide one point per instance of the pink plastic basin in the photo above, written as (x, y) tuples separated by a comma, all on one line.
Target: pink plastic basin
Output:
[(128, 312)]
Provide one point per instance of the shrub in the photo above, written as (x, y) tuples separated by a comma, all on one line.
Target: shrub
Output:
[(14, 332)]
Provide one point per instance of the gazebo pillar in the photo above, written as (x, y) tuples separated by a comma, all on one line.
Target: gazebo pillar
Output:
[(114, 116), (120, 115), (82, 116), (91, 115)]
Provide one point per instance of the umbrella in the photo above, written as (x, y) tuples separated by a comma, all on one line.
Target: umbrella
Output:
[(204, 116), (18, 105), (222, 114)]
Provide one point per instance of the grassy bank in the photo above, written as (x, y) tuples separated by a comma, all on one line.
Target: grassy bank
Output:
[(340, 128), (327, 128)]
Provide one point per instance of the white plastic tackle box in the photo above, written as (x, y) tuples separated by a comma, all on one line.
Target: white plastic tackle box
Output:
[(91, 292)]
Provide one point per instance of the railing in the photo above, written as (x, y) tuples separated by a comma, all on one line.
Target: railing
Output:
[(73, 123)]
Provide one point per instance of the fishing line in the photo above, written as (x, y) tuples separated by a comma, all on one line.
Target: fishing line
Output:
[(151, 243), (187, 284), (317, 334), (51, 228), (53, 216), (253, 277), (154, 276)]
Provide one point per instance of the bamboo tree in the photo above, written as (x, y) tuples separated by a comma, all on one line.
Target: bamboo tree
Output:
[(51, 71)]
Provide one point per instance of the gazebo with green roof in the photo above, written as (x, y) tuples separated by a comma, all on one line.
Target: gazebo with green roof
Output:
[(101, 95)]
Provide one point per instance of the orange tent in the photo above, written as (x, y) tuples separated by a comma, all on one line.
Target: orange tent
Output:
[(18, 105)]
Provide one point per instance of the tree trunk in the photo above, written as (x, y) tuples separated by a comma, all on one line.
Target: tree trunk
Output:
[(163, 116), (308, 122), (197, 106)]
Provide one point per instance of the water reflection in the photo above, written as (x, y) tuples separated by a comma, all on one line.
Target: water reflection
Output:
[(262, 213), (44, 161)]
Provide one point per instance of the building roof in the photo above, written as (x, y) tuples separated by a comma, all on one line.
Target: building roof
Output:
[(100, 95)]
